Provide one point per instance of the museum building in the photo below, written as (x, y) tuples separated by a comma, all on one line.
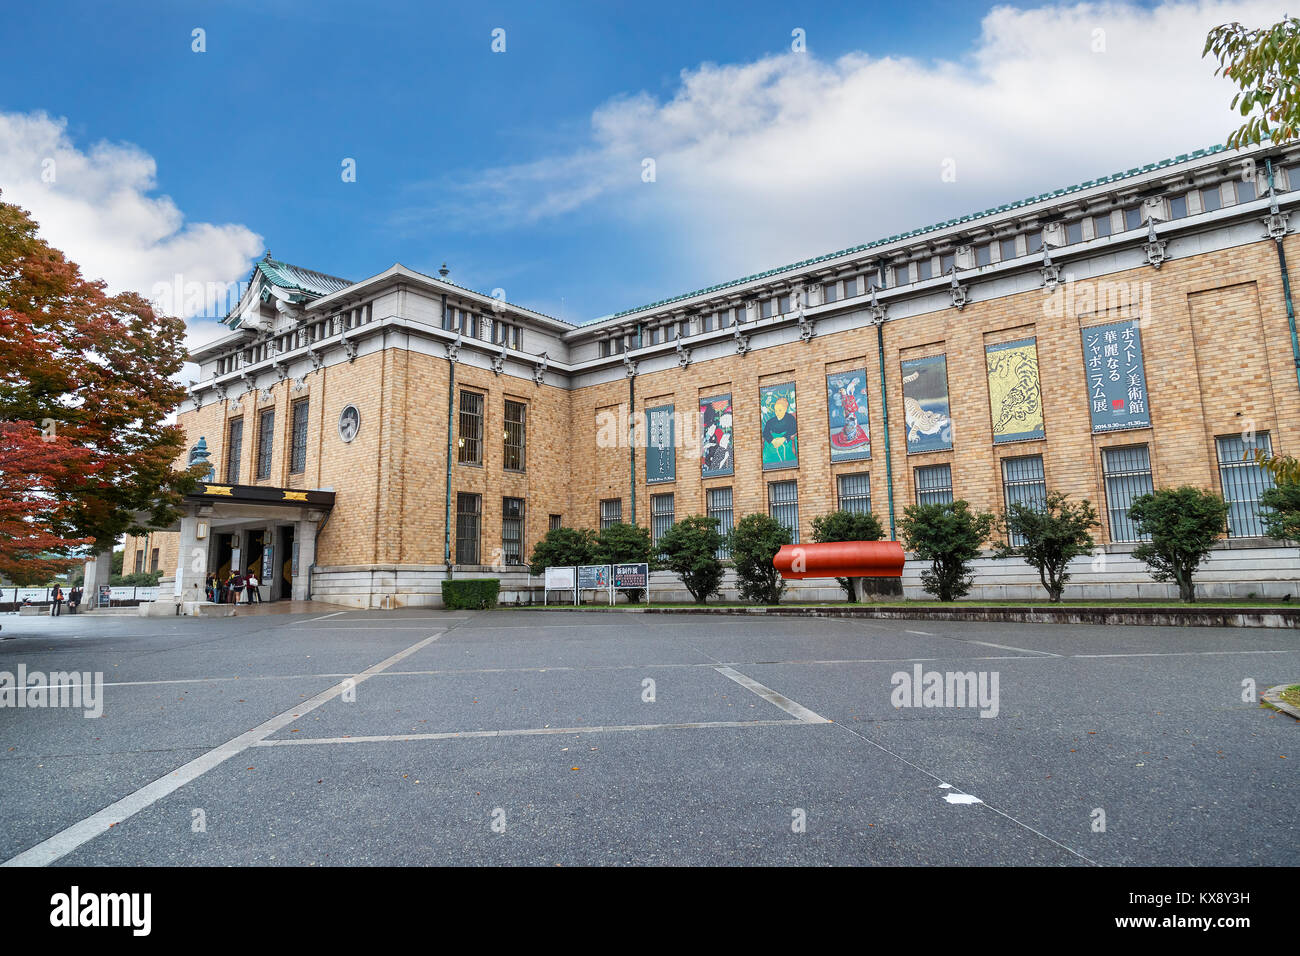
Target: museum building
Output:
[(367, 440)]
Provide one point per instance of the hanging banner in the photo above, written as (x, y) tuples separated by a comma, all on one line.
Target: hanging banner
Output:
[(925, 404), (660, 448), (715, 437), (1117, 381), (1015, 396), (780, 435), (846, 406)]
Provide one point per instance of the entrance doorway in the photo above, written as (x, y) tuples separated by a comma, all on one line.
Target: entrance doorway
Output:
[(284, 581)]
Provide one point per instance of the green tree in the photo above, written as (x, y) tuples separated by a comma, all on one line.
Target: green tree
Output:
[(622, 543), (1054, 534), (755, 540), (691, 546), (563, 547), (949, 537), (87, 382), (1183, 524), (1283, 521), (847, 526), (1265, 66)]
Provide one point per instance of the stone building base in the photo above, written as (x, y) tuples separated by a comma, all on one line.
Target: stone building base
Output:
[(1246, 570)]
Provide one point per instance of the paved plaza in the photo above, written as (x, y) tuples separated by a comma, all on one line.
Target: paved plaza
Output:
[(416, 737)]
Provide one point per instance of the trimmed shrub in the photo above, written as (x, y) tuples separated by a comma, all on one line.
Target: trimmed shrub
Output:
[(949, 537), (1183, 524), (471, 594), (691, 546), (1054, 533), (754, 542), (563, 548)]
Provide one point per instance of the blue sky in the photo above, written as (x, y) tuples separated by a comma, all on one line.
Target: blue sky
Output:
[(523, 169)]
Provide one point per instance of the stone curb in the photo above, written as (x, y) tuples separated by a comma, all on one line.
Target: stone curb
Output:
[(1160, 617), (1273, 697)]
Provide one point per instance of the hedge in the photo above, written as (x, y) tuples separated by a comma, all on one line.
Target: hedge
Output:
[(471, 594)]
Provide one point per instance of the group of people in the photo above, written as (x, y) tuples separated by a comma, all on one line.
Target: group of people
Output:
[(58, 597), (228, 589)]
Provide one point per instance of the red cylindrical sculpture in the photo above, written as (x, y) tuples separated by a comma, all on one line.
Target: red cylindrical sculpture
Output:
[(840, 559)]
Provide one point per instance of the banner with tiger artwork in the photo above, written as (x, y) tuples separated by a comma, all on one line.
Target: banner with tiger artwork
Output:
[(925, 404), (1015, 395)]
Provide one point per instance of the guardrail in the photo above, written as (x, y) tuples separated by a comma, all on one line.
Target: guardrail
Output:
[(119, 596)]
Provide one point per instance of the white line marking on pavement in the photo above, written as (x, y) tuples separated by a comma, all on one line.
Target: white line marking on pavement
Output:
[(772, 697), (67, 840), (1182, 654), (530, 732), (922, 633), (1008, 647), (309, 620)]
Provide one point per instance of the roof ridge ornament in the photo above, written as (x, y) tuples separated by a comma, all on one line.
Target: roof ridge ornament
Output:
[(1154, 247)]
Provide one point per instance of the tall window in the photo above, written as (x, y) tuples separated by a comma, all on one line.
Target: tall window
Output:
[(139, 561), (265, 436), (468, 519), (298, 458), (1128, 474), (718, 505), (516, 424), (470, 450), (1243, 481), (1023, 483), (611, 512), (783, 505), (661, 516), (153, 560), (1007, 249), (1211, 199), (934, 485), (512, 530), (1245, 190), (234, 448), (855, 493), (829, 292)]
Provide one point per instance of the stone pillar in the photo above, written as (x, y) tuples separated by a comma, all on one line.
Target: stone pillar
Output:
[(191, 561), (304, 536), (99, 570)]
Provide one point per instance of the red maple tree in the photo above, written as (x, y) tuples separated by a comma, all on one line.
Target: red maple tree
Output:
[(86, 384)]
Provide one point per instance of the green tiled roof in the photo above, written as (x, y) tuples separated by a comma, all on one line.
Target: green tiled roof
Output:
[(971, 217), (298, 279)]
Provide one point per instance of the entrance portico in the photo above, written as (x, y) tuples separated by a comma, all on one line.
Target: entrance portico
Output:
[(227, 529)]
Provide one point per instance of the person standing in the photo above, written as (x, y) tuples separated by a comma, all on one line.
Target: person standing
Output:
[(56, 604), (252, 584), (236, 586), (210, 587)]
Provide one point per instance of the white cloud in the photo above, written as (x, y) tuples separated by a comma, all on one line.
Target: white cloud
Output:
[(790, 156), (95, 206)]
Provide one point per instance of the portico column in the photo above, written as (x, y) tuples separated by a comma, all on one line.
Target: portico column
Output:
[(98, 571), (304, 536), (192, 559)]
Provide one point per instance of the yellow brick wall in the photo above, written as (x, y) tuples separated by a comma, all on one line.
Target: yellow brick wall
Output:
[(1216, 351)]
